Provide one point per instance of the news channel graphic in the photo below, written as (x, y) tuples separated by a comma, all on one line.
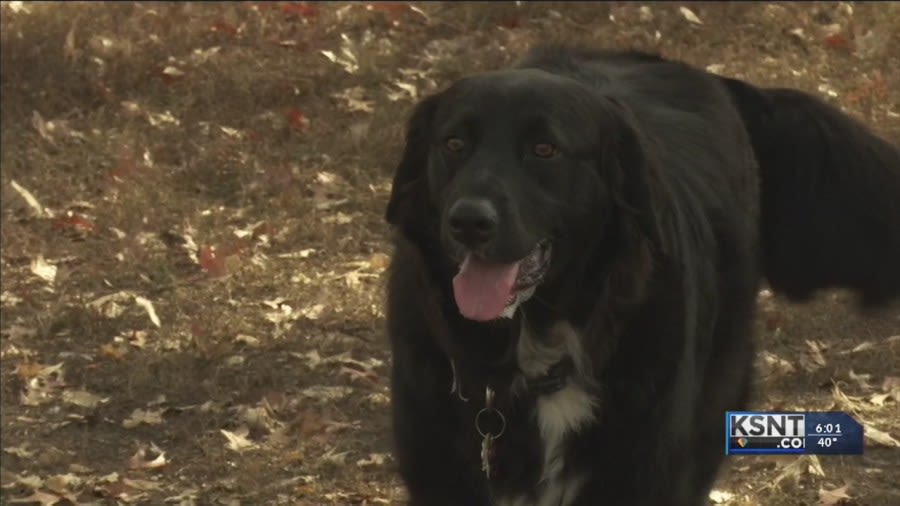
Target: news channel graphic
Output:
[(809, 433)]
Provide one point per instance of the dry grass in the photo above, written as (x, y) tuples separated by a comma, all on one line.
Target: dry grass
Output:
[(210, 159)]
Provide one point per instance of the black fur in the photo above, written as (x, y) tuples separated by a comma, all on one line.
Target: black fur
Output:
[(659, 243)]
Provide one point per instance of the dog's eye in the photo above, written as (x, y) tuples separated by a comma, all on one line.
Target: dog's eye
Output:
[(455, 145), (545, 150)]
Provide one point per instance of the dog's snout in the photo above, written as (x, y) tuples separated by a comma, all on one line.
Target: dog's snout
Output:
[(473, 221)]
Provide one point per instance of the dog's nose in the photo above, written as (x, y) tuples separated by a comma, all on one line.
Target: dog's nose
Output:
[(473, 221)]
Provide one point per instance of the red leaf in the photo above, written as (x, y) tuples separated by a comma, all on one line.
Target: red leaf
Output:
[(126, 168), (296, 120), (210, 262), (509, 23), (836, 40), (300, 8), (73, 222), (223, 27)]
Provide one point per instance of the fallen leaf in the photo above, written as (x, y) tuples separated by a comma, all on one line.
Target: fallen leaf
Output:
[(19, 451), (296, 119), (354, 99), (880, 399), (83, 398), (833, 497), (689, 15), (312, 312), (43, 270), (237, 440), (862, 380), (62, 483), (141, 416), (326, 393), (137, 338), (374, 459), (29, 199), (879, 437), (720, 496), (247, 340), (890, 382), (148, 307), (140, 460), (333, 457), (803, 466), (862, 347), (113, 351), (29, 370), (813, 359), (141, 484), (42, 498), (30, 481)]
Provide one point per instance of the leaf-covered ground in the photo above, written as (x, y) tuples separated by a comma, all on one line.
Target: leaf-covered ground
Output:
[(193, 244)]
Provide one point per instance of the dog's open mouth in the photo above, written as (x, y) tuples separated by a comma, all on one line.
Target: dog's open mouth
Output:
[(486, 290)]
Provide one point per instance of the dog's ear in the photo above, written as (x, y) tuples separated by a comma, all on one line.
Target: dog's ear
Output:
[(408, 185), (633, 171)]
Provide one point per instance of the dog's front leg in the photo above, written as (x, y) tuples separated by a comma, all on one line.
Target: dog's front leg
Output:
[(438, 468)]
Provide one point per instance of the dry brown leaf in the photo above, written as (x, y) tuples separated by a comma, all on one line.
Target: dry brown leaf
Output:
[(141, 484), (339, 218), (18, 332), (237, 440), (140, 459), (148, 307), (720, 496), (326, 393), (833, 497), (31, 481), (81, 469), (333, 457), (83, 398), (813, 359), (804, 465), (881, 399), (42, 498), (890, 383), (862, 380), (689, 15), (312, 312), (139, 416), (867, 345), (29, 199), (773, 364), (248, 340), (374, 459), (879, 436), (28, 370), (43, 270), (62, 483), (354, 99), (113, 351), (19, 451)]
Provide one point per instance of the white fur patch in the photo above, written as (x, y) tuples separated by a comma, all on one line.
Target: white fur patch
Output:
[(520, 299), (558, 414)]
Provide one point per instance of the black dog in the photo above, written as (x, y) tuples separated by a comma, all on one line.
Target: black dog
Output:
[(580, 243)]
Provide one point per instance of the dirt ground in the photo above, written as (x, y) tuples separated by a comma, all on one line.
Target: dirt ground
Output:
[(193, 243)]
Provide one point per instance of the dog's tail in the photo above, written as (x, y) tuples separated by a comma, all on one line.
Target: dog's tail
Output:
[(830, 203)]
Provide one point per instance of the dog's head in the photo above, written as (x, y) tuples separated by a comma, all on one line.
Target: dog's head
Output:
[(514, 177)]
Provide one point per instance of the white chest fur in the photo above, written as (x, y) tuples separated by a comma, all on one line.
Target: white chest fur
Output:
[(558, 414)]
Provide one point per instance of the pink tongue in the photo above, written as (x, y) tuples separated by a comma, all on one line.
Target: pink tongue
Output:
[(483, 289)]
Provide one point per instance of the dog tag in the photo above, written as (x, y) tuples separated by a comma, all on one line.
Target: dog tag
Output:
[(486, 446)]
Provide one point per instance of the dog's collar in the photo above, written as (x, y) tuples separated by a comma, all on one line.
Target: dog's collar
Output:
[(553, 380), (549, 383)]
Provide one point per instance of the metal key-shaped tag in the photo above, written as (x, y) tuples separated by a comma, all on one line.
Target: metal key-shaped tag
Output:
[(488, 431), (486, 446)]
